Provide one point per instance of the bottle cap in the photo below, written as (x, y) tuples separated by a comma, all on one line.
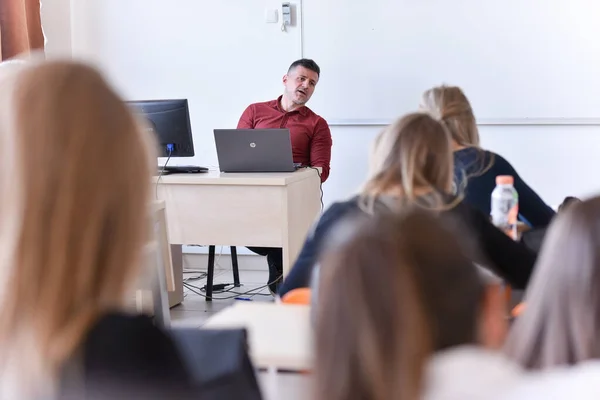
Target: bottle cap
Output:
[(504, 180)]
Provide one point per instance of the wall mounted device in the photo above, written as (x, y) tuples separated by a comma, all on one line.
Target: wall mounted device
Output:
[(286, 15)]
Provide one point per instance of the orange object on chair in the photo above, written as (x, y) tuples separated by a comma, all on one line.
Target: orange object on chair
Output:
[(297, 296), (518, 310)]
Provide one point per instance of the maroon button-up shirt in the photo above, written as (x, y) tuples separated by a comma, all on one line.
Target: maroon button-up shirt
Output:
[(310, 134)]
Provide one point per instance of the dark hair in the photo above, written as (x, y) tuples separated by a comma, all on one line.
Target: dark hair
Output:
[(306, 63)]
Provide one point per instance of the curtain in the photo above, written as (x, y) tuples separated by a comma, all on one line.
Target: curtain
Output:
[(20, 27)]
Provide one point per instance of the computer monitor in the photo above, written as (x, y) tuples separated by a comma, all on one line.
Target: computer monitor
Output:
[(170, 121)]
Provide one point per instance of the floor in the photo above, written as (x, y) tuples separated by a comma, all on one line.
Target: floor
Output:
[(195, 311)]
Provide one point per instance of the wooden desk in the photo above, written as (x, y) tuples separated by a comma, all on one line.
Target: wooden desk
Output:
[(242, 209), (279, 335)]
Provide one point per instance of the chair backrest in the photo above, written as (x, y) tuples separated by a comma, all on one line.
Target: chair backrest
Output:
[(218, 362)]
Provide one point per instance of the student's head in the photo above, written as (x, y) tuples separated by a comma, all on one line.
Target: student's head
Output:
[(300, 81), (561, 322), (567, 202), (371, 339), (450, 105), (394, 292), (75, 180), (410, 157), (463, 303)]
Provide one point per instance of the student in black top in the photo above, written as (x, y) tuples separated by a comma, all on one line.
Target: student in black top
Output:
[(475, 169), (75, 210), (412, 163), (126, 357)]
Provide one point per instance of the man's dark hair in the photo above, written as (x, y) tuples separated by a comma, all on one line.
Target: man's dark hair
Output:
[(306, 63)]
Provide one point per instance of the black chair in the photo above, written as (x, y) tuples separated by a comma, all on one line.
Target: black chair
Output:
[(211, 270), (218, 363)]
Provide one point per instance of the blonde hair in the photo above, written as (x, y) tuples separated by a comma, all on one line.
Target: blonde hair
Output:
[(371, 338), (450, 105), (75, 179), (561, 324), (412, 155)]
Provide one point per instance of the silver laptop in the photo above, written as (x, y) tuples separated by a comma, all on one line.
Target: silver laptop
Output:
[(254, 150)]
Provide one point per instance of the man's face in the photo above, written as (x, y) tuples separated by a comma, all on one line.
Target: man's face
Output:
[(300, 84)]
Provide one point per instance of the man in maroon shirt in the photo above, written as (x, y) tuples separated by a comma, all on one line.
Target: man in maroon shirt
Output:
[(310, 135)]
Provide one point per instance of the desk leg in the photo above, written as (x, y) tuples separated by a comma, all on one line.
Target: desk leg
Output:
[(176, 297), (210, 273), (234, 265)]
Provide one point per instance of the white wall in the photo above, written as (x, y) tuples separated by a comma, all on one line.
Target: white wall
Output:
[(515, 58), (56, 23), (221, 55)]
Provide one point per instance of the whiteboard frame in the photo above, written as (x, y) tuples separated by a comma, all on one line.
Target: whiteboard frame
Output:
[(484, 122)]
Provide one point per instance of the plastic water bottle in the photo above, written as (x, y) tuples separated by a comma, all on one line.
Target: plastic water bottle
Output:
[(505, 205), (314, 292)]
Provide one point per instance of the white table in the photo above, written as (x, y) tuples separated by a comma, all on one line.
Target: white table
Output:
[(242, 209), (286, 386), (279, 335)]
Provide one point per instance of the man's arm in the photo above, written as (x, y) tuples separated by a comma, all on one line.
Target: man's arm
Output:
[(320, 148), (247, 118)]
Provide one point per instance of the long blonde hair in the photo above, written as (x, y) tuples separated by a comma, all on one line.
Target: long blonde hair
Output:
[(412, 155), (561, 324), (371, 338), (75, 182), (450, 105)]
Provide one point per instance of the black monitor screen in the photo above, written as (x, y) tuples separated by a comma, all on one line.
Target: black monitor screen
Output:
[(170, 121)]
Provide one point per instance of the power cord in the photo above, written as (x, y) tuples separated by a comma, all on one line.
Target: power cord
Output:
[(170, 148), (222, 288), (251, 292), (217, 288), (202, 275), (320, 184)]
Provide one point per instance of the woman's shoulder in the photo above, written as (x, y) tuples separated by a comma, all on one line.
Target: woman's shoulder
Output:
[(473, 160), (336, 212), (464, 217), (340, 208), (456, 205), (497, 160)]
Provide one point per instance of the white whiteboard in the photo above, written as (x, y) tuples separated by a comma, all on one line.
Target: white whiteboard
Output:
[(515, 59)]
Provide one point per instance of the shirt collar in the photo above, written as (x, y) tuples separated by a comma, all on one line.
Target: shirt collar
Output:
[(302, 110)]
